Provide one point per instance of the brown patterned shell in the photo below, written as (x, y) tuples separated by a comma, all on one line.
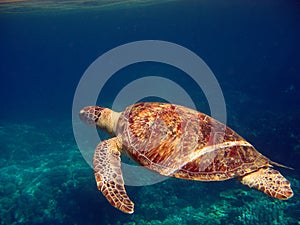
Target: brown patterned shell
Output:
[(176, 141)]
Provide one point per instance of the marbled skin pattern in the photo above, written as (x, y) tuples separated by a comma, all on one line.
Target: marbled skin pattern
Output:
[(176, 141)]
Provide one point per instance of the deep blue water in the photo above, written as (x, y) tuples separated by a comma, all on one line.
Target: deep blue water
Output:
[(253, 49)]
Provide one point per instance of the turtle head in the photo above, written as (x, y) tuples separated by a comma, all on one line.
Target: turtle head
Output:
[(99, 117), (91, 115)]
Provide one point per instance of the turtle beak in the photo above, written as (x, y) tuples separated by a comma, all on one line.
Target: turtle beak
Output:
[(90, 115)]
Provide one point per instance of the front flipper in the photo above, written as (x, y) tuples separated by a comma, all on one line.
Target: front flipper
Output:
[(108, 174), (269, 181)]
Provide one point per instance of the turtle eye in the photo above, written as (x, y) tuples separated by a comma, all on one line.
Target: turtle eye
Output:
[(90, 115)]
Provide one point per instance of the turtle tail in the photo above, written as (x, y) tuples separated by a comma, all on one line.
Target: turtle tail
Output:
[(280, 165)]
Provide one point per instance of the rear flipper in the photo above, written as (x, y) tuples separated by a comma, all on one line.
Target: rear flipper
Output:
[(269, 181)]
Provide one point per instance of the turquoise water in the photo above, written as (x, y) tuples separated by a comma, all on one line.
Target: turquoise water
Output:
[(252, 49)]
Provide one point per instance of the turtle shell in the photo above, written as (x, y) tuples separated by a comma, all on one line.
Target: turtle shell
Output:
[(177, 141)]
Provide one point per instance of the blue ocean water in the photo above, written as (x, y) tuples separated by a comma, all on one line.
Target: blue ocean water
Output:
[(253, 49)]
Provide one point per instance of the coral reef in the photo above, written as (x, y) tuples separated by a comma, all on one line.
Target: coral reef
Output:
[(44, 180)]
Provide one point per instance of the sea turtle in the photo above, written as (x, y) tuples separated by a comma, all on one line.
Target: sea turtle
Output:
[(176, 141)]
